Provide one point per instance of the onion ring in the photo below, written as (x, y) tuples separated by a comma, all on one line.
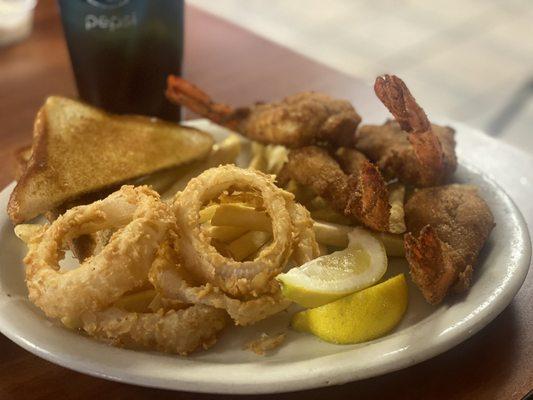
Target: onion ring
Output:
[(201, 258), (173, 331), (305, 245), (122, 265), (172, 281)]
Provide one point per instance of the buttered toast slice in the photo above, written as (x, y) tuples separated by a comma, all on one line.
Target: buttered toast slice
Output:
[(78, 149)]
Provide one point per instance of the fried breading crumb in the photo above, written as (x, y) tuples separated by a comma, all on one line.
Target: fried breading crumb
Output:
[(265, 343)]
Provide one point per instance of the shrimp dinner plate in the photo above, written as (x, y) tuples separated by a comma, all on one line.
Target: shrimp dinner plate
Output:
[(303, 361)]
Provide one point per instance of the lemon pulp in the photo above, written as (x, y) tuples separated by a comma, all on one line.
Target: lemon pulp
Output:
[(336, 275)]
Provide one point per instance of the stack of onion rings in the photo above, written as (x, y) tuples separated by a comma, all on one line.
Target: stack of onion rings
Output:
[(152, 243), (247, 290), (173, 281), (291, 226), (83, 297)]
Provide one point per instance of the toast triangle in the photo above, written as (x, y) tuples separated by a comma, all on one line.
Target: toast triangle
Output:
[(78, 149)]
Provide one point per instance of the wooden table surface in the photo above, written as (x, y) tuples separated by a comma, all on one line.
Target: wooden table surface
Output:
[(239, 67)]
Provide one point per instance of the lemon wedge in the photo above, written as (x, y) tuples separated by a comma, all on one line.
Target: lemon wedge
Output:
[(330, 277), (362, 316)]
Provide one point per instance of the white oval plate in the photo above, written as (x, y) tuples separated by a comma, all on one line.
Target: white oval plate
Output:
[(303, 361)]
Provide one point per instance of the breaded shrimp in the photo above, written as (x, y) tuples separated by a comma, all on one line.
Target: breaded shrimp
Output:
[(411, 149), (298, 120), (350, 160), (447, 227), (362, 196)]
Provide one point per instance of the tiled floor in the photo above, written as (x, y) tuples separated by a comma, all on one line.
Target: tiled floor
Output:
[(463, 59)]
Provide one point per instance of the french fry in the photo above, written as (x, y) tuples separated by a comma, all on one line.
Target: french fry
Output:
[(337, 236), (255, 254), (224, 152), (226, 233), (393, 243), (207, 213), (397, 214), (302, 194), (250, 199), (276, 156), (327, 233), (136, 302), (258, 160), (241, 216), (248, 244), (268, 159), (331, 234), (159, 302), (330, 215), (317, 203), (321, 210), (323, 249), (221, 247)]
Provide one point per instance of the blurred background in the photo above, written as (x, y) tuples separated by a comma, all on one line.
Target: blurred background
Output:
[(470, 60)]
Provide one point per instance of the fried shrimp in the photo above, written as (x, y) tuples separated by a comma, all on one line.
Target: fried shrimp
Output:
[(172, 331), (410, 149), (252, 277), (296, 121), (362, 196), (173, 281), (121, 265), (350, 160), (447, 228)]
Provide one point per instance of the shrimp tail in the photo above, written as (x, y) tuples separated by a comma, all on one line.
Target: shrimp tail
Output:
[(395, 95), (181, 92), (430, 264), (369, 197)]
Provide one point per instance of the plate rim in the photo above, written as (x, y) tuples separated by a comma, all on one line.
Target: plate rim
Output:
[(331, 376)]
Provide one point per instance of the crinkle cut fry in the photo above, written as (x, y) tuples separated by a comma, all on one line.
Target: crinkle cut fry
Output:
[(297, 120), (395, 95)]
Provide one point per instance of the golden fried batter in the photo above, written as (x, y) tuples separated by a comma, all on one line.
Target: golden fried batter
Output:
[(312, 166), (368, 199), (388, 145), (265, 343), (296, 121), (448, 226), (412, 150), (350, 160), (362, 196)]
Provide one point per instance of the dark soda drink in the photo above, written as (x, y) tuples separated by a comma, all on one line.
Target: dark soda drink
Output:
[(122, 51)]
